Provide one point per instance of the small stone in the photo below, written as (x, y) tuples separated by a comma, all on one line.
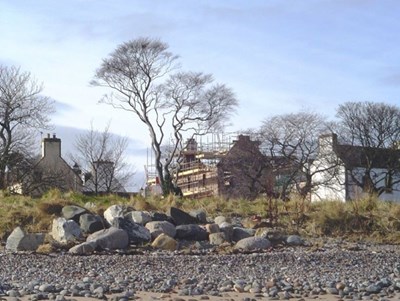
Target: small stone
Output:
[(12, 293), (340, 286), (46, 288)]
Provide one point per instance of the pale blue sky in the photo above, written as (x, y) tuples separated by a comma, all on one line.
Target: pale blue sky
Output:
[(279, 56)]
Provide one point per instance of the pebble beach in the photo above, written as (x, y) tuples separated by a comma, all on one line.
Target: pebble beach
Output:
[(359, 272)]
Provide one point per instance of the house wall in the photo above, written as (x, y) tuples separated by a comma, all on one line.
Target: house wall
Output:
[(329, 174), (244, 172), (329, 188), (52, 171), (356, 192), (343, 185)]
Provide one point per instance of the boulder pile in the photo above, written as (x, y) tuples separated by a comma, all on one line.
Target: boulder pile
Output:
[(121, 227)]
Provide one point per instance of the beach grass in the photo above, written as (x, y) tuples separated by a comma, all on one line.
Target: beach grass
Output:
[(368, 218)]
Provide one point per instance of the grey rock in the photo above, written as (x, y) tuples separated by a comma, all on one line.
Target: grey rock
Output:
[(46, 287), (227, 229), (84, 248), (212, 228), (139, 217), (136, 232), (18, 240), (253, 243), (217, 238), (200, 215), (240, 233), (91, 223), (221, 219), (158, 227), (12, 293), (65, 231), (181, 217), (73, 212), (294, 240), (165, 242), (110, 239), (373, 288), (158, 216), (191, 232), (114, 212)]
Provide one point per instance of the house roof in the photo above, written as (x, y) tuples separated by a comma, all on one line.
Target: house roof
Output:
[(243, 148), (372, 157)]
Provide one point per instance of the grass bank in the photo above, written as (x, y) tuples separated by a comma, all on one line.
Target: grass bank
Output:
[(365, 219)]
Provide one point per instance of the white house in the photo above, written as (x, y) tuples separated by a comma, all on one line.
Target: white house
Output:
[(51, 171), (350, 172)]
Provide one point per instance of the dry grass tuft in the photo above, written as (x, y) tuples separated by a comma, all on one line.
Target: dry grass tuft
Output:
[(367, 219), (142, 204), (46, 248)]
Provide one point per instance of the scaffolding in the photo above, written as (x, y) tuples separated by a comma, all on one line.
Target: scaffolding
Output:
[(196, 170)]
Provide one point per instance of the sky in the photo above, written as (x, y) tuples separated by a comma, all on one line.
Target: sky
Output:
[(278, 56)]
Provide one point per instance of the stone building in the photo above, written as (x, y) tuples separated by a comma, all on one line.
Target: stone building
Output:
[(239, 170)]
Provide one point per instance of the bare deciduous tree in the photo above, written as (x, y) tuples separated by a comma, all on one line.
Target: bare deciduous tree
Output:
[(102, 156), (291, 143), (22, 111), (373, 129), (40, 180), (143, 77), (244, 172)]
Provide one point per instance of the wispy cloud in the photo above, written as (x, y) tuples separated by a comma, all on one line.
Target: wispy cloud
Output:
[(391, 80)]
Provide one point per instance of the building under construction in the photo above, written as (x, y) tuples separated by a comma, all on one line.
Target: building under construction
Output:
[(229, 166), (197, 174)]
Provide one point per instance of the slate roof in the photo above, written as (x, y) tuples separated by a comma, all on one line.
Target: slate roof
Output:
[(371, 157)]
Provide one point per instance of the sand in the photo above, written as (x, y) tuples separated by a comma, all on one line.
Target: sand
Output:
[(231, 296)]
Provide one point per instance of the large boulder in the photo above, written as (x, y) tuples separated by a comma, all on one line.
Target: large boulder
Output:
[(294, 240), (137, 233), (91, 223), (191, 232), (113, 212), (158, 217), (110, 239), (73, 212), (139, 217), (65, 231), (253, 244), (240, 233), (161, 227), (180, 217), (21, 241), (165, 242), (200, 215), (85, 248)]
